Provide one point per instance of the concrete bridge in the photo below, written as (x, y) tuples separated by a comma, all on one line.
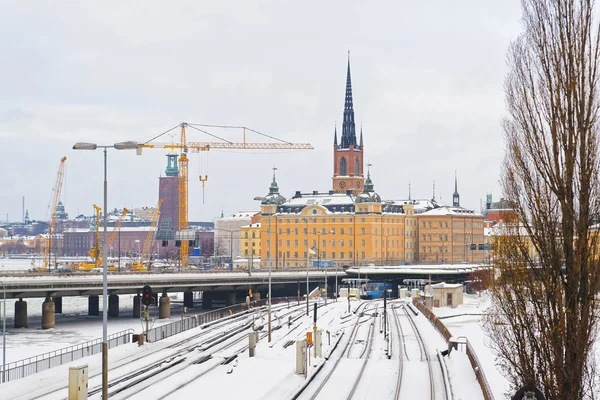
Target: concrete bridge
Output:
[(230, 287)]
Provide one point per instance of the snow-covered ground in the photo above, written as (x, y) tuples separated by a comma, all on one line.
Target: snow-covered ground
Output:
[(193, 363), (74, 326)]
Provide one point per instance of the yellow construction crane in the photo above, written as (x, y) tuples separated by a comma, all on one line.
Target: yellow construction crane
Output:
[(95, 252), (149, 237), (184, 146), (53, 210)]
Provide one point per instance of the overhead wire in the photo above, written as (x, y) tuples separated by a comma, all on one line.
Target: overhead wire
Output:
[(241, 127)]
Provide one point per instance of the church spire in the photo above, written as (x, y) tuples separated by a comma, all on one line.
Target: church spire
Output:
[(335, 136), (455, 196), (361, 139), (348, 126)]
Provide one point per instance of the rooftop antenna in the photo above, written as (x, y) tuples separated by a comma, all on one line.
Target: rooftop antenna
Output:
[(409, 195), (433, 190)]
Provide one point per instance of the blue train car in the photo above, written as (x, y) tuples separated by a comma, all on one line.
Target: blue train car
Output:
[(377, 290)]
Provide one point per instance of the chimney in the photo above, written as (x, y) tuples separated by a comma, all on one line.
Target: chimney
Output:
[(297, 194), (349, 191), (332, 192)]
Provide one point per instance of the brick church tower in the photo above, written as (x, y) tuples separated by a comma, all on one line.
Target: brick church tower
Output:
[(348, 171)]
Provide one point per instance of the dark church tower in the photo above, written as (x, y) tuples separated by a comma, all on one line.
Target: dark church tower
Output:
[(455, 196), (348, 154)]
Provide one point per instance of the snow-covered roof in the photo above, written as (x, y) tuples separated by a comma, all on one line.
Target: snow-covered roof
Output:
[(448, 210), (256, 225), (321, 199), (240, 215), (444, 285), (111, 228), (420, 205)]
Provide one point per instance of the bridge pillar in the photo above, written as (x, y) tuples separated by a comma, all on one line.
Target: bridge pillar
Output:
[(164, 310), (113, 305), (20, 314), (230, 299), (188, 299), (93, 305), (207, 298), (48, 314), (57, 304), (137, 303)]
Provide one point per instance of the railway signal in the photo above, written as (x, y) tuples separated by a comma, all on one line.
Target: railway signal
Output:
[(147, 295)]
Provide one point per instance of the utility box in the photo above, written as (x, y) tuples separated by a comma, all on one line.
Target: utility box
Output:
[(301, 357), (78, 383), (319, 343)]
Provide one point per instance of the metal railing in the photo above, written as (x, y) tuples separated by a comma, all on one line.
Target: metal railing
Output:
[(32, 365), (173, 328)]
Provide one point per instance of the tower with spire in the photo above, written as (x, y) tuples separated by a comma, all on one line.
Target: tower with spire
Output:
[(455, 196), (348, 173)]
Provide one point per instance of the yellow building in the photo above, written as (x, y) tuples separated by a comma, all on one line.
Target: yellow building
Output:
[(250, 241)]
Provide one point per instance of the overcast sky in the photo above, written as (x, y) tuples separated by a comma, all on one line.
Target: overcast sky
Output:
[(427, 81)]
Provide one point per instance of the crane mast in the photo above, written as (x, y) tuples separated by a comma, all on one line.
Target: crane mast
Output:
[(151, 232), (53, 216)]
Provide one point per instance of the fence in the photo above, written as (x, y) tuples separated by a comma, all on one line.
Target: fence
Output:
[(165, 331), (32, 365), (439, 325)]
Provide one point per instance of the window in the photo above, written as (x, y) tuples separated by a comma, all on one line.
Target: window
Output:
[(295, 231), (288, 221), (350, 243), (342, 230), (349, 219), (268, 243), (287, 253), (356, 168), (295, 254), (333, 243), (246, 235), (324, 220), (305, 242), (341, 219), (343, 171), (350, 231), (333, 220), (446, 224), (324, 242), (363, 254), (314, 231), (429, 224), (288, 231), (342, 243), (296, 243), (314, 243), (253, 243), (288, 243), (333, 231), (253, 252), (280, 231), (246, 252), (424, 238), (423, 224), (246, 244), (362, 220), (306, 231), (363, 242), (440, 224), (253, 235), (280, 244), (342, 254), (333, 254)]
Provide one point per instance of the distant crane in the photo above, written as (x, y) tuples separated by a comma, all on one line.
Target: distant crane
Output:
[(197, 147), (53, 210), (95, 252), (149, 237)]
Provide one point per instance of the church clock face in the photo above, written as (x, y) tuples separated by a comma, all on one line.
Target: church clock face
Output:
[(342, 184)]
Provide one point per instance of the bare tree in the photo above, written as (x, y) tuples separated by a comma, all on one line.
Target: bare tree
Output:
[(544, 314)]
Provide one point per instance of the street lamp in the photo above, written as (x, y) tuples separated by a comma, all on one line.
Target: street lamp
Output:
[(307, 261), (3, 333), (93, 146)]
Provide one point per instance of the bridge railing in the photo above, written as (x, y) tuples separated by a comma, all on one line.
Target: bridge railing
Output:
[(32, 365)]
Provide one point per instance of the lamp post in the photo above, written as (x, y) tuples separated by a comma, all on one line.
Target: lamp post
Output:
[(3, 333), (307, 264), (93, 146), (269, 294)]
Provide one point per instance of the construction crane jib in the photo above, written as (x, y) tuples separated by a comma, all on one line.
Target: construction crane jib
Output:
[(196, 147), (53, 210)]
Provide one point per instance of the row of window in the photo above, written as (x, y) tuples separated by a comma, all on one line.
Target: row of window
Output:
[(341, 243), (441, 238), (333, 255), (343, 220)]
